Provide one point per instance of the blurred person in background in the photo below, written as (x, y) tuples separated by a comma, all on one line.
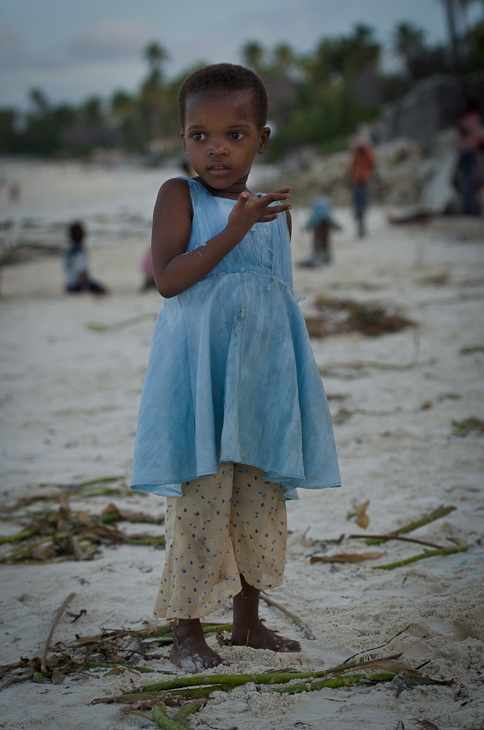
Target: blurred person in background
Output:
[(76, 271), (147, 269), (321, 221), (362, 164), (469, 173)]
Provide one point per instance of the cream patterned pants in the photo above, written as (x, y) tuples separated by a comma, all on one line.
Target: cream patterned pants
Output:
[(226, 524)]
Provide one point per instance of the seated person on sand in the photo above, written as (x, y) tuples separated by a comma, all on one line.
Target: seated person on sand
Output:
[(147, 269), (321, 221), (76, 272)]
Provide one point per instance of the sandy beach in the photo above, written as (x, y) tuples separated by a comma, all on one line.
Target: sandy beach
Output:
[(69, 400)]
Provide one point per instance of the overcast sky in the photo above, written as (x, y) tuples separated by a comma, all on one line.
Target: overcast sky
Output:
[(74, 49)]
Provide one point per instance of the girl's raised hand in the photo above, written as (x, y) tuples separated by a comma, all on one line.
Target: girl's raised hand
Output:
[(248, 211)]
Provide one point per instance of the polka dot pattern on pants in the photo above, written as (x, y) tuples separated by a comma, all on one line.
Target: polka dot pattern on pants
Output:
[(226, 524)]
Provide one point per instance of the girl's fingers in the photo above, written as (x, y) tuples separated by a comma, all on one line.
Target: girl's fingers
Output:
[(243, 198), (274, 197), (277, 208)]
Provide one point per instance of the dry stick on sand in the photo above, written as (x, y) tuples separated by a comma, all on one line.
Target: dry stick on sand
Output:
[(152, 634), (345, 557), (43, 662), (380, 646), (101, 665), (307, 633), (394, 537), (436, 515)]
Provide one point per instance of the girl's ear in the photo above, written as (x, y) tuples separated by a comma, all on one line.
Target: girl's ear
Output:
[(264, 135), (182, 135)]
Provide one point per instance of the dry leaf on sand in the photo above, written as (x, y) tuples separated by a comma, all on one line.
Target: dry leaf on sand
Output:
[(362, 519), (345, 557), (114, 672)]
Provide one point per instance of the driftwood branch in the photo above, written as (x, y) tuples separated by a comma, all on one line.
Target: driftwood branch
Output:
[(382, 538), (43, 661)]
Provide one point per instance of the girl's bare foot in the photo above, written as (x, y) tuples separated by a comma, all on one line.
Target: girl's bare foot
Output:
[(190, 650), (259, 636), (248, 629)]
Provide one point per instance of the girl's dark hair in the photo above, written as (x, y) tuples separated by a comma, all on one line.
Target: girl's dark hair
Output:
[(225, 77)]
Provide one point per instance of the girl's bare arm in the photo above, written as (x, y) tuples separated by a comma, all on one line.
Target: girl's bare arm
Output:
[(174, 269)]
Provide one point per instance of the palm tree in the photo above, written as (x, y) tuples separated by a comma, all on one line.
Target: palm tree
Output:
[(39, 100), (408, 43), (283, 57), (155, 54), (463, 4), (253, 56), (92, 110)]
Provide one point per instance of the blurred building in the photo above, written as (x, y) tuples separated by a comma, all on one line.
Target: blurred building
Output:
[(432, 104), (93, 136)]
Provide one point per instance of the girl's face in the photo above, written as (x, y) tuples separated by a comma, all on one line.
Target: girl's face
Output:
[(221, 139)]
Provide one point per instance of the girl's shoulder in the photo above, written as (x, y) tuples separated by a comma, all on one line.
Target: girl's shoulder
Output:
[(183, 193), (174, 196), (175, 186)]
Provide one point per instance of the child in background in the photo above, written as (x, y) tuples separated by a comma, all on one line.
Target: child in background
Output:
[(233, 414), (321, 221), (76, 272)]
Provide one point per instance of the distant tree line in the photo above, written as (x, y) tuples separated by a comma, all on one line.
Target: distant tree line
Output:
[(316, 98)]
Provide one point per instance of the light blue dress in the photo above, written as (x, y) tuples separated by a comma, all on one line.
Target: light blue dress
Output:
[(231, 375)]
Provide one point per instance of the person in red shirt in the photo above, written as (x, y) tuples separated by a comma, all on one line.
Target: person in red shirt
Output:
[(362, 164)]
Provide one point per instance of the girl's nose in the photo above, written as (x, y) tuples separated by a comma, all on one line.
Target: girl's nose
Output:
[(218, 147)]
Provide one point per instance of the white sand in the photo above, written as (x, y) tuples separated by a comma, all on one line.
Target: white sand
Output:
[(69, 406)]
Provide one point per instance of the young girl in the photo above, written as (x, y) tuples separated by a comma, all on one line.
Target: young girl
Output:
[(233, 414)]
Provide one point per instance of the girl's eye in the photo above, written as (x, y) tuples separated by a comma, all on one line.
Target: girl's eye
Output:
[(236, 135), (198, 136)]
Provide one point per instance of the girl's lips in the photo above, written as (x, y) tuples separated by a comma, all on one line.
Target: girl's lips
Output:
[(216, 170)]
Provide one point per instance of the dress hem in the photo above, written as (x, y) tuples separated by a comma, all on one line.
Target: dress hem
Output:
[(175, 490)]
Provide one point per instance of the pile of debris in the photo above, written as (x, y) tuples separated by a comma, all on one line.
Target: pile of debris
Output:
[(58, 533), (339, 316)]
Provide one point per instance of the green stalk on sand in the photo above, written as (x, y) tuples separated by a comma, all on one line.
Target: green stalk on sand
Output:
[(235, 680), (146, 541), (160, 716), (436, 515), (334, 683), (20, 535), (460, 547), (203, 685), (165, 633), (87, 483), (21, 551)]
